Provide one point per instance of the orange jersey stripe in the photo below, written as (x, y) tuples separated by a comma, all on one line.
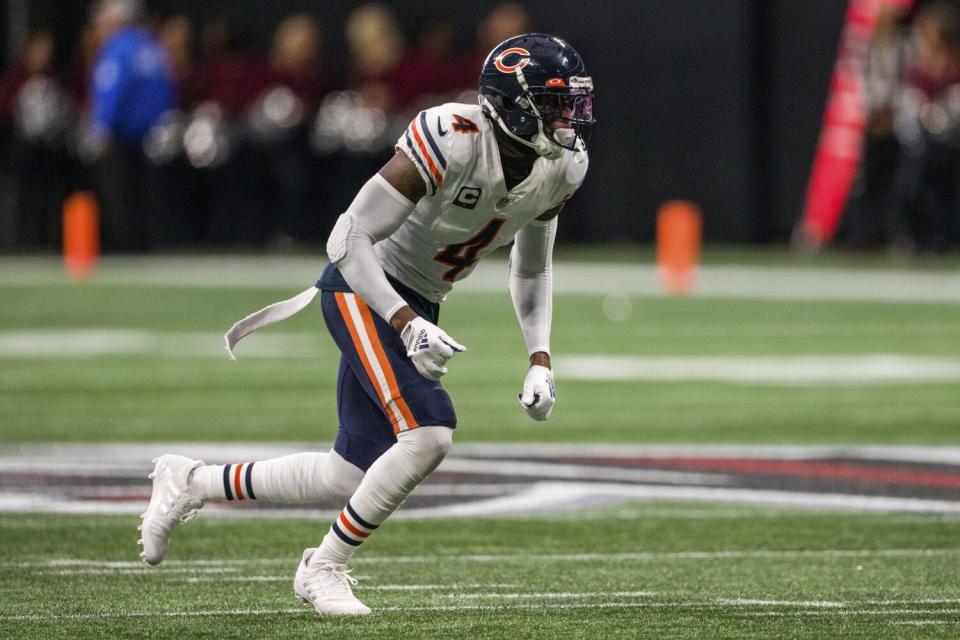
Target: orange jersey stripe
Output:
[(395, 394), (352, 529), (236, 481), (426, 154), (358, 344)]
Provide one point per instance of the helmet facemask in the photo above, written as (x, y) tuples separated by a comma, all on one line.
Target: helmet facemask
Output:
[(548, 120), (566, 118)]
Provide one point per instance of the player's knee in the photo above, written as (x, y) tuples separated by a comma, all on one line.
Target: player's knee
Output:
[(340, 477), (429, 444)]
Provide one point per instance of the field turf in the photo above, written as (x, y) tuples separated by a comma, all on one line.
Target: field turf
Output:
[(657, 570), (186, 389)]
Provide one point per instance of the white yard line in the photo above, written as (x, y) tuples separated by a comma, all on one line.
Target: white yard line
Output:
[(640, 556), (362, 587), (658, 556), (561, 595), (143, 570), (786, 369), (807, 369), (816, 604), (850, 612), (88, 343)]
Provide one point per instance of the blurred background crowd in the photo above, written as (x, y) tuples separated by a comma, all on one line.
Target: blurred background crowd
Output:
[(907, 196), (190, 135), (194, 130)]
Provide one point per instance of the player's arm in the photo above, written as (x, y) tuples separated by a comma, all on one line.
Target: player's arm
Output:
[(379, 208), (403, 176), (531, 289)]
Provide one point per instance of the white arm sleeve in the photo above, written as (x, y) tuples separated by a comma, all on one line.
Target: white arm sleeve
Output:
[(377, 211), (531, 282)]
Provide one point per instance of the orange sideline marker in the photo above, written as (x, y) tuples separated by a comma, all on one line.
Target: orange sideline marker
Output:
[(679, 230), (81, 234)]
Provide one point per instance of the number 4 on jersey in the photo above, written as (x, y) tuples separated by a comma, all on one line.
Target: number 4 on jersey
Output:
[(464, 125), (464, 255)]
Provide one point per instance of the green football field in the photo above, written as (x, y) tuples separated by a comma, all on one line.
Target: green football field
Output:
[(776, 354), (654, 571)]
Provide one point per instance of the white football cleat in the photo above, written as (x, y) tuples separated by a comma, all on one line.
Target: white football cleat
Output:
[(171, 503), (327, 587)]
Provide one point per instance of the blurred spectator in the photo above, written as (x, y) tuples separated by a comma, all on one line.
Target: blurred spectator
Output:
[(179, 195), (279, 119), (36, 60), (132, 88), (376, 48), (295, 59), (354, 129), (35, 113), (924, 211), (176, 38), (232, 76), (870, 201), (213, 43), (81, 66), (429, 75), (507, 19), (132, 81)]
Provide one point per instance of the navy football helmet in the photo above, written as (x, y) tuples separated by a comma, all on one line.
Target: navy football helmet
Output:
[(536, 87)]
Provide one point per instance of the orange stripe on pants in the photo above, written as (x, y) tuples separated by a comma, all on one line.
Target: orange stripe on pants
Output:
[(395, 394), (388, 403)]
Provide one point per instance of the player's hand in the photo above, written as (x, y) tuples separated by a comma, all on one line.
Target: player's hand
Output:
[(539, 393), (429, 347)]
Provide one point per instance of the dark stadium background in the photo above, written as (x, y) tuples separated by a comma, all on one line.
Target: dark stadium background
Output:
[(717, 101)]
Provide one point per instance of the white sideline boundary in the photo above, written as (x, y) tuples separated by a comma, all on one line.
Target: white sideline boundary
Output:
[(570, 277)]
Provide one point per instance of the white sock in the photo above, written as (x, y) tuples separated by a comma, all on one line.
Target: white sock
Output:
[(297, 478), (386, 485)]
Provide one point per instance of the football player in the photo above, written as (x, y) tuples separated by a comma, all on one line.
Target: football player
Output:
[(465, 179)]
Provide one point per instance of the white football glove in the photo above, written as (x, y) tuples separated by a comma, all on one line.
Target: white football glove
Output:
[(429, 347), (539, 393)]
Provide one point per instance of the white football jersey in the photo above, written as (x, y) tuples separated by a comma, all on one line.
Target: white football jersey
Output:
[(467, 211)]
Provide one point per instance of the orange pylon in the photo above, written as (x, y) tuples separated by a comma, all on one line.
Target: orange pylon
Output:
[(81, 234), (679, 231)]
